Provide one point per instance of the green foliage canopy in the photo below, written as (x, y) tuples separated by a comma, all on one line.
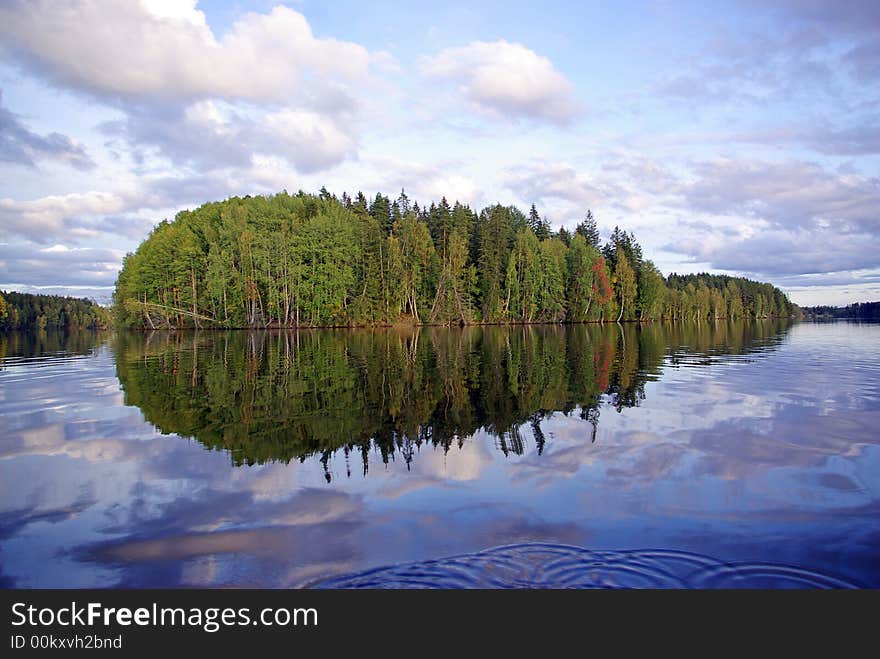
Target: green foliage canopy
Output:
[(316, 261)]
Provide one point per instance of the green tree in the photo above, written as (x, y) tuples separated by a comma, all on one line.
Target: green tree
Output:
[(734, 301), (418, 264), (624, 286), (651, 292), (495, 232), (580, 276), (552, 264), (457, 284), (523, 279), (540, 227), (291, 260), (603, 291), (588, 229)]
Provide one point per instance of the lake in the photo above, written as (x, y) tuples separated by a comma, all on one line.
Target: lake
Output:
[(697, 456)]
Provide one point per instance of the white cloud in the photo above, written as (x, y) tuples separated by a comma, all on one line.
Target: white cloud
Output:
[(20, 145), (197, 98), (539, 180), (423, 183), (785, 252), (154, 49), (762, 218), (197, 113), (176, 10), (210, 135), (625, 186), (508, 79), (309, 140), (77, 217), (789, 194), (42, 220), (77, 267)]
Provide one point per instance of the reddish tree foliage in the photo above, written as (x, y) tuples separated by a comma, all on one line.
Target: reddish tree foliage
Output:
[(603, 358), (602, 290)]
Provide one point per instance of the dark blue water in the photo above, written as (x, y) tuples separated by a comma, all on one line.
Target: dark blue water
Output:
[(728, 456)]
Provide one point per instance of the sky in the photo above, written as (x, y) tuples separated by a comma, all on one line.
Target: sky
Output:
[(737, 137)]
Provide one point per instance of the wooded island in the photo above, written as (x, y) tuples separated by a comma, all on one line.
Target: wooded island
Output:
[(308, 260), (27, 311)]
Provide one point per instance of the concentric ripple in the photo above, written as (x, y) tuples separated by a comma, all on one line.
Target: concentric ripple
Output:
[(542, 565)]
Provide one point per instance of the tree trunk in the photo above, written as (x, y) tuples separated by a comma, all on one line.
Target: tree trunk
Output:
[(192, 273), (147, 313)]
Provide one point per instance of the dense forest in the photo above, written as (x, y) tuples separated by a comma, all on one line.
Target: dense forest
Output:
[(315, 260), (24, 311), (859, 311), (280, 396)]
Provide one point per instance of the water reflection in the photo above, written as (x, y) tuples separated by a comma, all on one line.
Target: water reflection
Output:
[(736, 449), (544, 565), (43, 345), (279, 396)]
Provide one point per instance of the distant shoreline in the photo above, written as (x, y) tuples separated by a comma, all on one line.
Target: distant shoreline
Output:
[(408, 326)]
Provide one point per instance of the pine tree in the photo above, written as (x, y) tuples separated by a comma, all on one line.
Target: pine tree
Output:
[(588, 229), (539, 227)]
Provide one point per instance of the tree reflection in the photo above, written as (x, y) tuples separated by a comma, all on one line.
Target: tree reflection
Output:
[(49, 343), (280, 396)]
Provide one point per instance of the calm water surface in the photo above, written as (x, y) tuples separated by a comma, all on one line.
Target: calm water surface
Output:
[(714, 456)]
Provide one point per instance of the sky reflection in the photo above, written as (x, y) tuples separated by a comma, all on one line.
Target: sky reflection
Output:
[(770, 453)]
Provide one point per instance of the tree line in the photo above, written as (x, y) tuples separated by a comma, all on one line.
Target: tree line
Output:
[(858, 310), (307, 260), (25, 311)]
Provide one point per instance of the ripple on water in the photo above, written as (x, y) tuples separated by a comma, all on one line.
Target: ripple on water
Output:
[(542, 565)]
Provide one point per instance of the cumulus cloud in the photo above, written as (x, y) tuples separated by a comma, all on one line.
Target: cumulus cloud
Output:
[(209, 135), (176, 191), (74, 216), (776, 219), (42, 219), (167, 50), (78, 267), (763, 218), (625, 185), (308, 140), (266, 86), (790, 194), (20, 145), (423, 182), (201, 114), (560, 185), (777, 253), (508, 79)]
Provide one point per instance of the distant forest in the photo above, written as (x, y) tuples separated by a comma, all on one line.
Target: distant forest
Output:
[(317, 260), (23, 311), (859, 310)]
